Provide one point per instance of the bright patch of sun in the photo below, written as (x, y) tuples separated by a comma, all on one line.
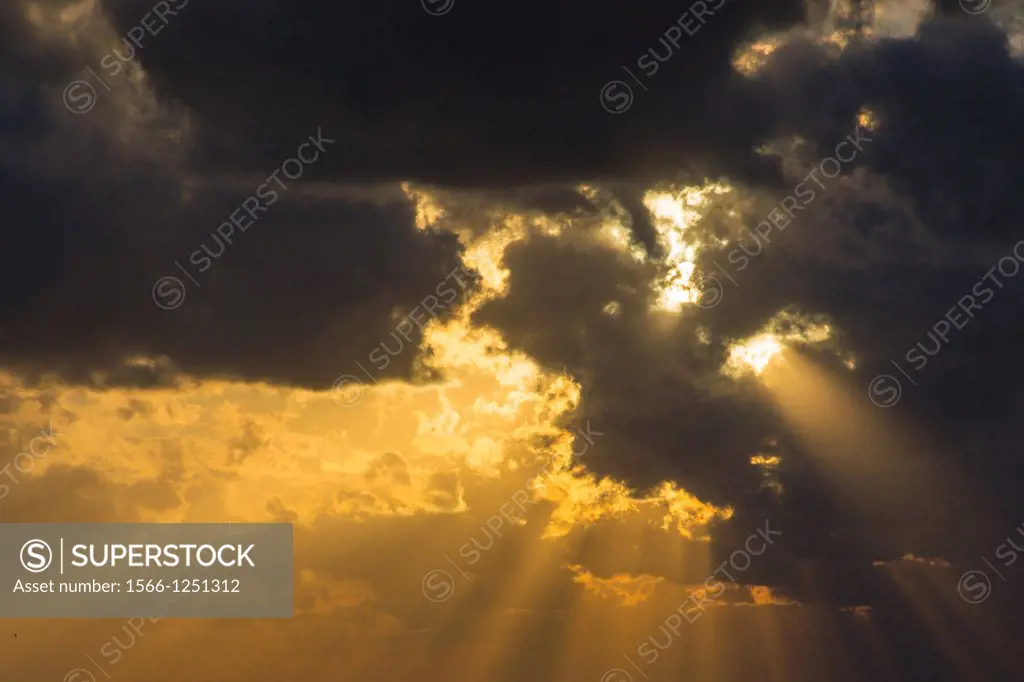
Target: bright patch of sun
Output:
[(755, 355), (674, 215)]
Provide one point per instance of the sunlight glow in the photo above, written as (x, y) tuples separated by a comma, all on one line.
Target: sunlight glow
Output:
[(674, 215), (622, 588), (756, 354)]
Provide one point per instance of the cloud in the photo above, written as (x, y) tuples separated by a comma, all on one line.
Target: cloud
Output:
[(102, 214), (627, 589), (406, 91), (217, 407)]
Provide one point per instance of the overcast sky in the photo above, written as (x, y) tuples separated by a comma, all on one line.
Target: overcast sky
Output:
[(537, 320)]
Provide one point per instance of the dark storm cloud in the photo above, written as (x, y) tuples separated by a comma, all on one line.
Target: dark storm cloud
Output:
[(315, 281), (477, 97), (950, 101), (98, 208)]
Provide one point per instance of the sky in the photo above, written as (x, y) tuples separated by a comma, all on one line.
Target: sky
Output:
[(578, 342)]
